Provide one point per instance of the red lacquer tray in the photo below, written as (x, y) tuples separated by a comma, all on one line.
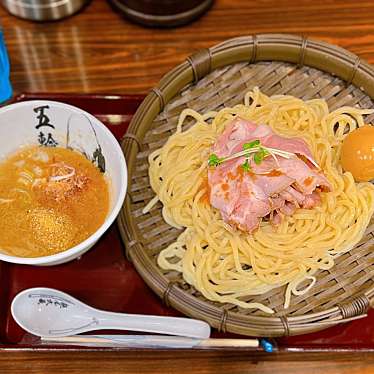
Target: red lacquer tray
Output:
[(104, 278)]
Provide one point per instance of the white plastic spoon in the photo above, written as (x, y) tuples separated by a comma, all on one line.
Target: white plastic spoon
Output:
[(47, 312)]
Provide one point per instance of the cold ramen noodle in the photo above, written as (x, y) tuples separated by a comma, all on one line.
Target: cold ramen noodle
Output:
[(51, 199), (261, 195)]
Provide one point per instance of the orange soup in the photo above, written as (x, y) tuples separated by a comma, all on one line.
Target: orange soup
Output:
[(51, 199)]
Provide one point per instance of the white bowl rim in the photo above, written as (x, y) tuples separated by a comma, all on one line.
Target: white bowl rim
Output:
[(71, 253)]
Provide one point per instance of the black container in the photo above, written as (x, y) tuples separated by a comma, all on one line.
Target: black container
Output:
[(162, 13)]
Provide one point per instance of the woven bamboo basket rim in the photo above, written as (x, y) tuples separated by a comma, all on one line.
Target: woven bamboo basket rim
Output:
[(292, 49)]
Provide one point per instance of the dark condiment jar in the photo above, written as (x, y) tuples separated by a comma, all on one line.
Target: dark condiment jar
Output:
[(162, 13)]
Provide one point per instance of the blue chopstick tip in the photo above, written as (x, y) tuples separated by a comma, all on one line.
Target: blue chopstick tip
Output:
[(266, 345)]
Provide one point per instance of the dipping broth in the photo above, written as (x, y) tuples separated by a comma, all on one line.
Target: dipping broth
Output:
[(51, 199)]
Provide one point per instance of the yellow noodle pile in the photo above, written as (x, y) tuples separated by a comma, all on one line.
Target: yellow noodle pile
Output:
[(226, 264)]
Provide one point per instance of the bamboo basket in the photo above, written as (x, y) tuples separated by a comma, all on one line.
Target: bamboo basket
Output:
[(209, 80)]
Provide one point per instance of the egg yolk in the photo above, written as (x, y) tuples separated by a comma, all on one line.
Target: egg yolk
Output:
[(357, 154)]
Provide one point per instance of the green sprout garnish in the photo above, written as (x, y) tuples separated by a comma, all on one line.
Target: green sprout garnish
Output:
[(251, 145), (252, 149), (260, 155), (214, 160), (246, 165)]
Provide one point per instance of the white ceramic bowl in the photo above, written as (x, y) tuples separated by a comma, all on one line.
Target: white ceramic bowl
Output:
[(42, 122)]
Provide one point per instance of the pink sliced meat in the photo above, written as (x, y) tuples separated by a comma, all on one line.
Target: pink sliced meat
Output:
[(312, 200), (292, 195), (272, 185), (306, 178), (272, 189), (234, 136), (288, 209)]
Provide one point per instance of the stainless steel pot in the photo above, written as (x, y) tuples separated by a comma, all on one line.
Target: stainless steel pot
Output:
[(43, 10)]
